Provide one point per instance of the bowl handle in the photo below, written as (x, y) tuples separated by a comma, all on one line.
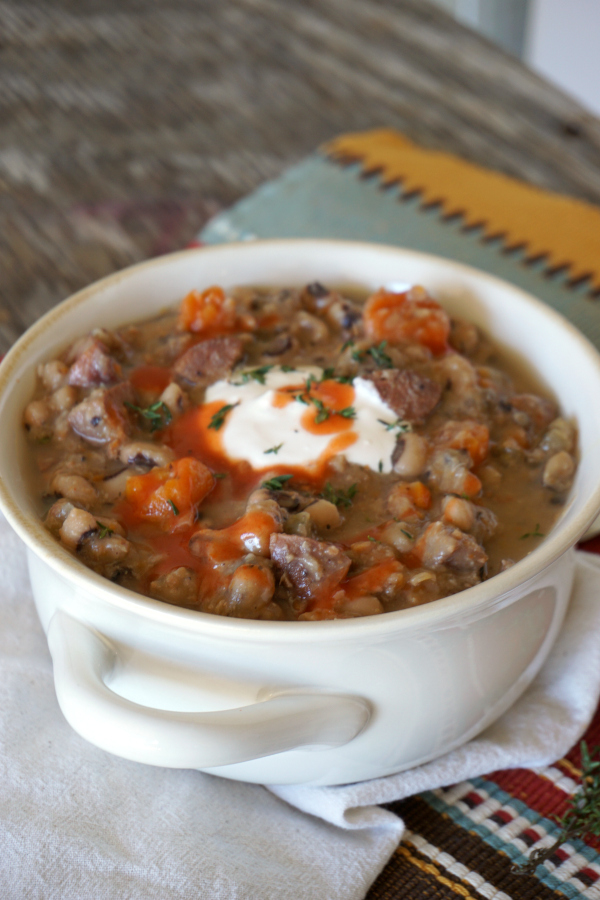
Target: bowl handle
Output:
[(83, 658)]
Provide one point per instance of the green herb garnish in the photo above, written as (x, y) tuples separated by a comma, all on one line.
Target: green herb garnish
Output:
[(158, 414), (348, 413), (218, 418), (277, 482), (103, 530), (407, 534), (340, 497), (535, 533), (582, 817), (380, 357), (346, 344), (173, 507), (274, 450), (220, 474), (371, 538), (286, 368), (322, 412), (380, 466), (327, 374), (400, 424), (255, 374)]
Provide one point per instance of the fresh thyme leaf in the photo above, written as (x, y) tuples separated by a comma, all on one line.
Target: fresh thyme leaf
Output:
[(379, 356), (218, 418), (327, 374), (582, 817), (286, 368), (535, 533), (380, 466), (371, 538), (358, 355), (220, 474), (339, 497), (322, 412), (301, 399), (158, 414), (407, 534), (173, 507), (348, 412), (103, 530), (276, 483), (344, 379), (275, 449), (256, 374), (400, 424), (346, 344)]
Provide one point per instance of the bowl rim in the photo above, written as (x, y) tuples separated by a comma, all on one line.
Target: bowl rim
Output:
[(464, 606)]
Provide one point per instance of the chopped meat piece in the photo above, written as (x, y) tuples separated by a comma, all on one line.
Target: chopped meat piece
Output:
[(94, 366), (212, 359), (102, 417), (411, 396), (442, 545), (312, 568)]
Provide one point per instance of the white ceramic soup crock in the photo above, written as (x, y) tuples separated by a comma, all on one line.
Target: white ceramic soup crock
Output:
[(299, 702)]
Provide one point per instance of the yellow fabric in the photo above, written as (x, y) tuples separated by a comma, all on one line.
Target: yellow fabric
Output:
[(564, 230)]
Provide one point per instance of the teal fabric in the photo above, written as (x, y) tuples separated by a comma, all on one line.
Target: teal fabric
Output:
[(319, 198)]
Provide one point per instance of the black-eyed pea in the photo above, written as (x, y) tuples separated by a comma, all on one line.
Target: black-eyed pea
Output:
[(558, 471)]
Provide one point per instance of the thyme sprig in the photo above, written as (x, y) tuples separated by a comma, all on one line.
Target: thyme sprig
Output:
[(275, 449), (339, 497), (254, 374), (217, 420), (535, 533), (400, 424), (103, 530), (158, 414), (377, 354), (323, 412), (277, 482), (582, 817)]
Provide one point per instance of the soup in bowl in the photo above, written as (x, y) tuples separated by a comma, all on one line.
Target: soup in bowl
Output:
[(291, 471)]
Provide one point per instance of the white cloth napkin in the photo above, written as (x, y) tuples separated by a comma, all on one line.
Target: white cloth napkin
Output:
[(76, 822)]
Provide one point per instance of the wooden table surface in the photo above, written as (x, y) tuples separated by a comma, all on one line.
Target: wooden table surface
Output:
[(125, 125)]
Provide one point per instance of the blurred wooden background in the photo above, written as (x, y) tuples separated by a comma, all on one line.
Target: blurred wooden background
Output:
[(125, 125)]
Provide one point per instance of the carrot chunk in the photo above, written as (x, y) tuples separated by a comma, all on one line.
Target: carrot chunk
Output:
[(168, 492), (466, 435), (209, 312), (396, 318)]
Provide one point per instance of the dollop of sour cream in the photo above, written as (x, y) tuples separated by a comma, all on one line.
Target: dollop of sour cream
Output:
[(269, 425)]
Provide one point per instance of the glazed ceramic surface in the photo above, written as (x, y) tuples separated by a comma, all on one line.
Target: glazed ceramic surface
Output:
[(299, 702)]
